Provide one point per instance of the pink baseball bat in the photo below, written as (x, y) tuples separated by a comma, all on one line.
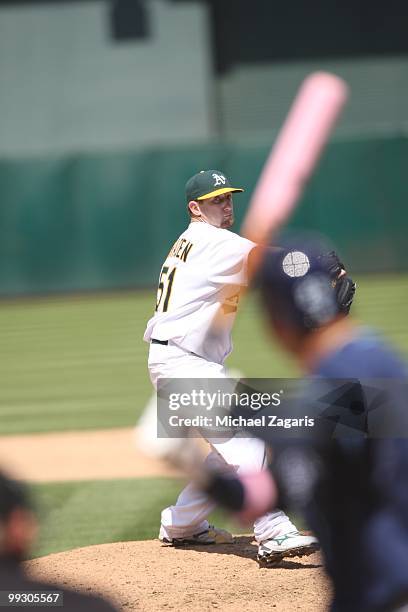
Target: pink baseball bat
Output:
[(295, 154)]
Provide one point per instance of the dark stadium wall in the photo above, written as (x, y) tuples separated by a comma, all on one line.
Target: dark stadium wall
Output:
[(106, 221), (69, 84), (264, 31), (100, 133)]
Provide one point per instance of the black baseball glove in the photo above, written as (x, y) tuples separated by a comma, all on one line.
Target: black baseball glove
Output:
[(343, 284)]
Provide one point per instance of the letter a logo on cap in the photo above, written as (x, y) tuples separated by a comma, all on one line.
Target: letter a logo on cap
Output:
[(219, 179)]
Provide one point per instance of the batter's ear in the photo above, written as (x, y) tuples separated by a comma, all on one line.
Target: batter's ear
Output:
[(19, 533)]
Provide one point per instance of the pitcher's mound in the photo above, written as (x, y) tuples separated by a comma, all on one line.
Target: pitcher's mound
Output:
[(148, 576)]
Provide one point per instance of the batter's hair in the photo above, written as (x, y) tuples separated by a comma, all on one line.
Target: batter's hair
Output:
[(13, 494)]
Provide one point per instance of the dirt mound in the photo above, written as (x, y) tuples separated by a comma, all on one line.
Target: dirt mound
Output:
[(148, 576)]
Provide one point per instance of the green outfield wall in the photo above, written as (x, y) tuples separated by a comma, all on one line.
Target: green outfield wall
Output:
[(107, 220)]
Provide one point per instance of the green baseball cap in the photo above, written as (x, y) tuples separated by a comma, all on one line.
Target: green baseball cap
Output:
[(208, 184)]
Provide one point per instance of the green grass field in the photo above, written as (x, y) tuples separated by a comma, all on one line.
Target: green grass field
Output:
[(76, 514), (80, 363)]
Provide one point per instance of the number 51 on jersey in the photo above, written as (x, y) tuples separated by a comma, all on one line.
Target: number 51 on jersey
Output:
[(164, 289)]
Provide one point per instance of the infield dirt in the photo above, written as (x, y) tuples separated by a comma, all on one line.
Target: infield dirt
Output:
[(148, 576), (78, 455)]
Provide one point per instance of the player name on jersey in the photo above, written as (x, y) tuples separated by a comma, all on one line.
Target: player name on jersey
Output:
[(180, 249)]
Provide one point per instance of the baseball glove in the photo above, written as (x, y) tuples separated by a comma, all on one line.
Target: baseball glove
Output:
[(342, 283)]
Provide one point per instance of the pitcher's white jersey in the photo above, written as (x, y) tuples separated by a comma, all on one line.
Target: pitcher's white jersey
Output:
[(202, 275)]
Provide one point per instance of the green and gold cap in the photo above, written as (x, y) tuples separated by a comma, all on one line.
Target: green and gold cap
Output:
[(208, 184)]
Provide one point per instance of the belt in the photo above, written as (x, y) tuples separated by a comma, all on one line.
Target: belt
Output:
[(154, 341)]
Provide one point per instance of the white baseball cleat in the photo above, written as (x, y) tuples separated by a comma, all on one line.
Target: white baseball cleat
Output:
[(209, 536), (292, 544)]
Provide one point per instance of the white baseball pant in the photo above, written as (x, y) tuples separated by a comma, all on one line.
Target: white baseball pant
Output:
[(189, 515)]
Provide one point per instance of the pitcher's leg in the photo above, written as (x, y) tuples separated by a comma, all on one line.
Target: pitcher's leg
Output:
[(188, 516), (275, 533)]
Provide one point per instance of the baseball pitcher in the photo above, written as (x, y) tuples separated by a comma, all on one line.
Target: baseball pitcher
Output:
[(200, 281)]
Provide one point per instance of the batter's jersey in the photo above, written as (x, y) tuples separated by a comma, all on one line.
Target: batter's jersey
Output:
[(360, 511), (199, 281)]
